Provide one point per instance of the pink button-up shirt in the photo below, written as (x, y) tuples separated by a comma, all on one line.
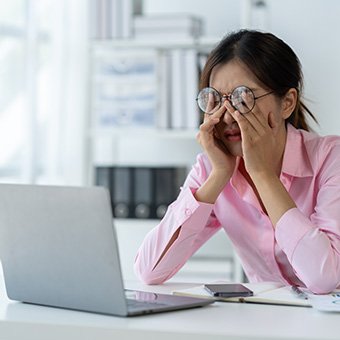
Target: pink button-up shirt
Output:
[(304, 246)]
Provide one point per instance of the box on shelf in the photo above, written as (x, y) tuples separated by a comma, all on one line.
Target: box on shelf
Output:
[(177, 26), (145, 88), (125, 88)]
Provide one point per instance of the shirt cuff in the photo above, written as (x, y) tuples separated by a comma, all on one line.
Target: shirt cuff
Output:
[(188, 209), (290, 229)]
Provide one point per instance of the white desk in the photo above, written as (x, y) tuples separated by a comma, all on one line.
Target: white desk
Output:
[(217, 321)]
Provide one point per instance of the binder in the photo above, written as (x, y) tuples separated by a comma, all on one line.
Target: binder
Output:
[(180, 174), (166, 187), (122, 192), (142, 185), (164, 190), (103, 177)]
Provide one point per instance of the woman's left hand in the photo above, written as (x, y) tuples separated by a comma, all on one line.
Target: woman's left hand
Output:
[(263, 143)]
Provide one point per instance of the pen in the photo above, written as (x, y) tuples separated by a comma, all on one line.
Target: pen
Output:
[(297, 291)]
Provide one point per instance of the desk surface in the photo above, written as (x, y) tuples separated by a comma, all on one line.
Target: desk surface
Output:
[(217, 321)]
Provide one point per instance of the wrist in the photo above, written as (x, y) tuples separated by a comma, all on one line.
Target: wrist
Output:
[(263, 177), (212, 187), (221, 176)]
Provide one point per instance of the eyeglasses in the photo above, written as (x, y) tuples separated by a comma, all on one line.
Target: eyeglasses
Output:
[(242, 98)]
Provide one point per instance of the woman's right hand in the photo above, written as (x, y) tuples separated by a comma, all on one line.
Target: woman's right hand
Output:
[(221, 159)]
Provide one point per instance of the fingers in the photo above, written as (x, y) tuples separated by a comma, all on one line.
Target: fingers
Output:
[(218, 113), (254, 116), (210, 120), (252, 121)]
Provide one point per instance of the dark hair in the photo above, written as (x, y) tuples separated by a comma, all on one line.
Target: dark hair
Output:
[(270, 59)]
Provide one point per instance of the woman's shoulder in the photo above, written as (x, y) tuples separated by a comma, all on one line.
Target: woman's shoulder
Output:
[(323, 151), (311, 154), (314, 141)]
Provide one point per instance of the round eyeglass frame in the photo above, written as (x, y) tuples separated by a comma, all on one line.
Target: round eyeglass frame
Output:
[(222, 97)]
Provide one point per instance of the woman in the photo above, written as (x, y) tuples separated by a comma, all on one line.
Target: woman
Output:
[(272, 185)]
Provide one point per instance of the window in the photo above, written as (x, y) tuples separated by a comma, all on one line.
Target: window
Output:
[(43, 63)]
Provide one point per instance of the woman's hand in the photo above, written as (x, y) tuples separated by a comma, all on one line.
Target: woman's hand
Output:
[(223, 163), (221, 160), (263, 147), (261, 152)]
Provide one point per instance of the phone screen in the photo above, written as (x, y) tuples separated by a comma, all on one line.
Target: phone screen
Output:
[(228, 290)]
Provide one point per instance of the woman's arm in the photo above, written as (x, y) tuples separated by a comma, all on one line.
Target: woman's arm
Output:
[(310, 241), (313, 251), (187, 225)]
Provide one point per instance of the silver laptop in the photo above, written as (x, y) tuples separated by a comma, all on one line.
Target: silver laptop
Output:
[(58, 248)]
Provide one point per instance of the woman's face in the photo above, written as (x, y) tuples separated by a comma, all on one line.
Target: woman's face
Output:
[(225, 78)]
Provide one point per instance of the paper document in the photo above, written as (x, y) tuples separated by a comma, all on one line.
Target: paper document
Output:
[(264, 292), (326, 303)]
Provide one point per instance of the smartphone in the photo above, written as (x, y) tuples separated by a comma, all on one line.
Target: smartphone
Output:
[(228, 290)]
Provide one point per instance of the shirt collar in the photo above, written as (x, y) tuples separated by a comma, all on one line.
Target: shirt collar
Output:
[(295, 158)]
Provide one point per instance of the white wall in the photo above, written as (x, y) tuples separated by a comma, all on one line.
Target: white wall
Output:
[(310, 27)]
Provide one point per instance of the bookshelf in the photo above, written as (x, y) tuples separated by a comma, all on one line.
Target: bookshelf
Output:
[(133, 123), (153, 143), (122, 138), (149, 144)]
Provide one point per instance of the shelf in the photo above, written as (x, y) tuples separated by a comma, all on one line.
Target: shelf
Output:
[(144, 132), (149, 147), (144, 147), (202, 43)]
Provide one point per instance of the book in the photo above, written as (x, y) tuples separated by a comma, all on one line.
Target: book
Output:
[(126, 18), (191, 73), (114, 19), (164, 81), (177, 118), (264, 293), (111, 19)]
